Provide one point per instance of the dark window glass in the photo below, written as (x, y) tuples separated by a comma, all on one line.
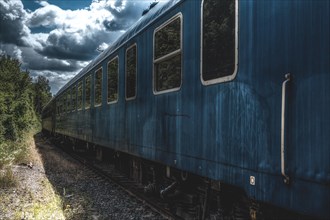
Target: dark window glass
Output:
[(74, 94), (80, 95), (58, 105), (63, 107), (168, 38), (88, 91), (218, 39), (167, 52), (68, 101), (168, 73), (113, 80), (62, 101), (98, 87), (131, 72)]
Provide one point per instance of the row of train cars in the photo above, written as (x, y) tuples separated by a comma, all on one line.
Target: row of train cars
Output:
[(234, 93)]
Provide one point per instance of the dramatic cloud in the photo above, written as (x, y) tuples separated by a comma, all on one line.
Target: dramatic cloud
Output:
[(57, 43), (71, 38), (45, 16), (12, 19)]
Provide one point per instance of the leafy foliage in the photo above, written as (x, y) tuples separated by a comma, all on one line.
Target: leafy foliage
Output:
[(21, 103)]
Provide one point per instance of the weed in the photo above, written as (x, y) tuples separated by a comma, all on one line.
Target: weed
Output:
[(48, 208), (16, 152), (6, 154), (7, 178)]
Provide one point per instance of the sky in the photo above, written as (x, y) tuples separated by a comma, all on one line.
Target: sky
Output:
[(57, 38)]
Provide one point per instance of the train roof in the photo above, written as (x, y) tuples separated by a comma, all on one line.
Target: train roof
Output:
[(150, 15)]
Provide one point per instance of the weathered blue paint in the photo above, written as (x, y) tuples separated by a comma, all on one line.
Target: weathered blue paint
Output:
[(229, 131)]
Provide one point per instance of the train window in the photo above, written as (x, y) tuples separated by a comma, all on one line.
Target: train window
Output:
[(167, 56), (98, 87), (131, 69), (73, 99), (61, 100), (58, 106), (63, 103), (79, 96), (219, 41), (113, 80), (88, 92), (68, 100)]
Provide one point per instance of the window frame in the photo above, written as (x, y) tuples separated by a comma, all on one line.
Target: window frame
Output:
[(136, 71), (167, 56), (224, 78), (115, 101), (95, 72), (90, 91)]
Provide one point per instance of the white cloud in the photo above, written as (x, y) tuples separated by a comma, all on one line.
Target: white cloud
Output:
[(56, 80), (11, 50), (45, 16), (12, 19), (43, 3), (102, 47)]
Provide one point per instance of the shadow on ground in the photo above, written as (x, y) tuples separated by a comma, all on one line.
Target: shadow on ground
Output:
[(67, 178)]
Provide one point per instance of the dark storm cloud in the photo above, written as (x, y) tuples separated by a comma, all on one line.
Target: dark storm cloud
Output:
[(55, 51), (35, 61), (52, 65), (65, 46), (12, 28)]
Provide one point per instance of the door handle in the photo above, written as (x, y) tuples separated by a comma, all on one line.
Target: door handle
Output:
[(284, 85)]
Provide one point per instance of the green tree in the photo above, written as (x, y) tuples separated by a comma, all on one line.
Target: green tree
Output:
[(19, 97), (42, 93), (15, 92)]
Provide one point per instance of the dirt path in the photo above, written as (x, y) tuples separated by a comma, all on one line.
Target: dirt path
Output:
[(57, 187), (33, 196)]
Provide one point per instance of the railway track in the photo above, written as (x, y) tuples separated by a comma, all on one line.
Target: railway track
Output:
[(108, 172), (171, 208)]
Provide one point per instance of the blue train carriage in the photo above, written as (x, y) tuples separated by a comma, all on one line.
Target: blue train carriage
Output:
[(235, 91), (48, 118)]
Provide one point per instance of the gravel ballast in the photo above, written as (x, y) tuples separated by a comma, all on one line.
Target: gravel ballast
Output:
[(55, 186)]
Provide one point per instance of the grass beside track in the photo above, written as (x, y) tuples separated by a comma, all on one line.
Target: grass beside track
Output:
[(25, 191)]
